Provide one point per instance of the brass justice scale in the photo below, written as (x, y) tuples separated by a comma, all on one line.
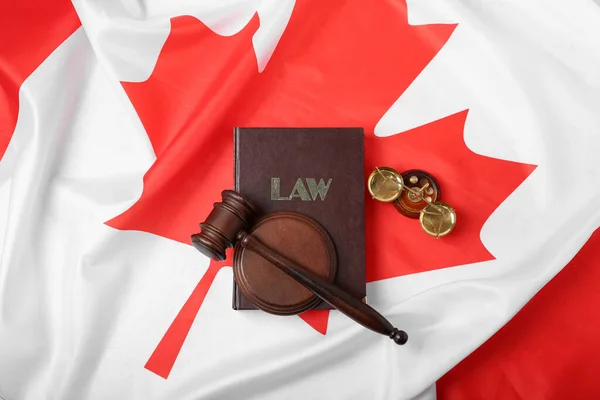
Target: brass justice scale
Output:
[(415, 194)]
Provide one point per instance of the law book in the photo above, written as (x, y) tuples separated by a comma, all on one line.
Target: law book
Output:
[(315, 171)]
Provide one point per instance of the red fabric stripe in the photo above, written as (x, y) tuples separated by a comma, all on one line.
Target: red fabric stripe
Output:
[(548, 351), (30, 31), (162, 359)]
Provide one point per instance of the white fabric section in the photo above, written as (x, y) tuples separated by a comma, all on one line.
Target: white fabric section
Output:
[(83, 305), (127, 35), (428, 394)]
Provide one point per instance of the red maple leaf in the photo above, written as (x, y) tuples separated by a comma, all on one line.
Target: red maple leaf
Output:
[(338, 63)]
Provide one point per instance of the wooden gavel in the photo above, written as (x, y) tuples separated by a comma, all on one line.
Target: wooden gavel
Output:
[(226, 227)]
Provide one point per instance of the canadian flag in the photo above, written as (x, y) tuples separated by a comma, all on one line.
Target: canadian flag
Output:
[(115, 140)]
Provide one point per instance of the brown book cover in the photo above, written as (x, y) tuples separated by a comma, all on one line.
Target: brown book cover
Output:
[(315, 171)]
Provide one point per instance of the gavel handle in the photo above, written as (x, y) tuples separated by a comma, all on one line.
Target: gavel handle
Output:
[(328, 292)]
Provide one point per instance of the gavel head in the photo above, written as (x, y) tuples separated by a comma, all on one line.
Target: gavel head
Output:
[(226, 220)]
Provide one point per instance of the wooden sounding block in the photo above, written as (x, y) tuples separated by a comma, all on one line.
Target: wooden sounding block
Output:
[(302, 240)]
